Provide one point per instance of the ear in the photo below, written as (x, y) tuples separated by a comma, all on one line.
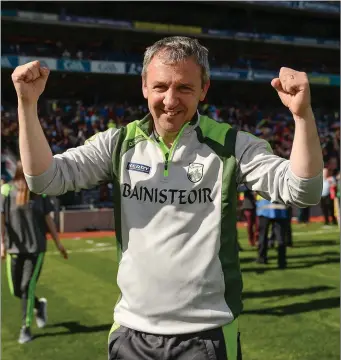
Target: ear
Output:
[(204, 90), (144, 88)]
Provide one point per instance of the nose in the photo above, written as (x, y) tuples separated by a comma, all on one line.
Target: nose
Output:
[(171, 99)]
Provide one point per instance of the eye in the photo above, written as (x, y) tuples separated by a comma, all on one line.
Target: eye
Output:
[(185, 89), (159, 88)]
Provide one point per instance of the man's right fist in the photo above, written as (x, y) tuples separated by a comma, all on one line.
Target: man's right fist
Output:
[(29, 81)]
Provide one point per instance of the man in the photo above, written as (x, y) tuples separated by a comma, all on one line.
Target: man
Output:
[(278, 216), (175, 175)]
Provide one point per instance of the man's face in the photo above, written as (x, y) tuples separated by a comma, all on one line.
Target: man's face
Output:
[(173, 92)]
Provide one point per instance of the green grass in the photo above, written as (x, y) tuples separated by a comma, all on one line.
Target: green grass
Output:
[(288, 315)]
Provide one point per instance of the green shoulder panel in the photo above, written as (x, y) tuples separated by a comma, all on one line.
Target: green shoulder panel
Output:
[(128, 137), (133, 135), (221, 138), (213, 130)]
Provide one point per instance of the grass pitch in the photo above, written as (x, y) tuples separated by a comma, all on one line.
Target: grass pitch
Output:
[(288, 315)]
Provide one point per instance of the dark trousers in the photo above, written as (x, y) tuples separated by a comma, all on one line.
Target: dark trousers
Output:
[(280, 232), (288, 238), (252, 225), (303, 215), (128, 344), (327, 206), (23, 272)]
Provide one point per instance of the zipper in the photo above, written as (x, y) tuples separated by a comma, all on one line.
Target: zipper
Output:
[(166, 152), (170, 152), (165, 171)]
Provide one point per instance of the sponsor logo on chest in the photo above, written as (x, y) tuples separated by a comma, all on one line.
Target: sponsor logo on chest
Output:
[(138, 167)]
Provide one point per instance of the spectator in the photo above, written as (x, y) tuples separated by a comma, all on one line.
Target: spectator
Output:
[(327, 204), (66, 54), (249, 211)]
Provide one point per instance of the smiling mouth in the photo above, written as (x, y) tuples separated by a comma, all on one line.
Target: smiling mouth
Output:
[(171, 113)]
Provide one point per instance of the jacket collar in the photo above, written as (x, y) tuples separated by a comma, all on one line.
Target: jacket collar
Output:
[(147, 124)]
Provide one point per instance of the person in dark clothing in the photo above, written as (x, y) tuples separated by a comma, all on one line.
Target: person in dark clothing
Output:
[(272, 238), (249, 211), (277, 215), (288, 236), (327, 203), (288, 227), (25, 219), (304, 215)]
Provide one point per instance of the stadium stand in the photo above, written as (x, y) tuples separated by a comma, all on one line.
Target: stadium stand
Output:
[(95, 58)]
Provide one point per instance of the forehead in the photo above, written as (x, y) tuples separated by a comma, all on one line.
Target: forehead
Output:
[(161, 70)]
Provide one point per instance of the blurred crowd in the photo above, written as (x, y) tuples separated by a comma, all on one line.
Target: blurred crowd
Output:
[(68, 124), (129, 52)]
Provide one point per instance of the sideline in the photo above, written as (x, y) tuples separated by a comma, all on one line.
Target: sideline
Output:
[(107, 233)]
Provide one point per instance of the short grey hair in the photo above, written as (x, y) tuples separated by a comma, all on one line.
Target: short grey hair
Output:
[(176, 49)]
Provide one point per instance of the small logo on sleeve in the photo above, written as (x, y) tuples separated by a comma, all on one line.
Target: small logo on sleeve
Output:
[(138, 167)]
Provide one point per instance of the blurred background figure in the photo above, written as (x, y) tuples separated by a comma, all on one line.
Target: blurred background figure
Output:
[(288, 238), (26, 217), (304, 215), (249, 211), (328, 196), (277, 215), (337, 200)]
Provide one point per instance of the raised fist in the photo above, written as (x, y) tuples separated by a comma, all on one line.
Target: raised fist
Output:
[(29, 81), (293, 89)]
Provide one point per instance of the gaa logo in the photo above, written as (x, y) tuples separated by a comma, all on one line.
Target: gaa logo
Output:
[(195, 172)]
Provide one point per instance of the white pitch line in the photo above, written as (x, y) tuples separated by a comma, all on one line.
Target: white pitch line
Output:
[(103, 248), (100, 249), (317, 232)]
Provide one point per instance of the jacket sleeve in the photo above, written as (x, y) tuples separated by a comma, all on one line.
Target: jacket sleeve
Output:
[(271, 176), (79, 168)]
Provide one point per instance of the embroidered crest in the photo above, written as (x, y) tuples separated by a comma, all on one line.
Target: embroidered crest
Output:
[(195, 172)]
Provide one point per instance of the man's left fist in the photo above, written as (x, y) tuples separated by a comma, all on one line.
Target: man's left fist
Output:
[(293, 89)]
